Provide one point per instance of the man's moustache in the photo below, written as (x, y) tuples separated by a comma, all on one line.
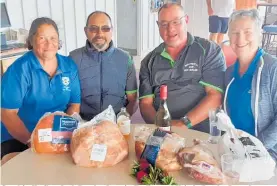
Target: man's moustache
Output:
[(99, 38)]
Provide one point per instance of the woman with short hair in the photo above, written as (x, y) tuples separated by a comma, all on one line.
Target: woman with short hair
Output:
[(251, 93)]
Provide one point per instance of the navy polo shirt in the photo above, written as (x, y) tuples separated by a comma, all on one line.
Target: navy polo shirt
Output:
[(239, 97), (28, 88)]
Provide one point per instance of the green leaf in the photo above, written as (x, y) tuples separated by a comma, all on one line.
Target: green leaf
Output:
[(168, 180), (155, 175), (135, 169), (147, 181)]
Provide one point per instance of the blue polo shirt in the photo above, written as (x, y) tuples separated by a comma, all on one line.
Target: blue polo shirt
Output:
[(28, 88), (239, 97)]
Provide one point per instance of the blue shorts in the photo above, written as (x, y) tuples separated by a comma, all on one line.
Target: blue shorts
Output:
[(218, 24)]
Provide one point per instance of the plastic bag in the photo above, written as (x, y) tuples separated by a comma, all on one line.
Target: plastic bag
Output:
[(254, 162), (158, 147), (52, 133), (99, 142), (200, 163)]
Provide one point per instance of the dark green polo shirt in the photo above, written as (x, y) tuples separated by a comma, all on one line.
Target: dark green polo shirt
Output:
[(201, 63)]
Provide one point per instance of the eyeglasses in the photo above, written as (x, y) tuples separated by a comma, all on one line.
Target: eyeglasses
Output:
[(165, 24), (96, 29)]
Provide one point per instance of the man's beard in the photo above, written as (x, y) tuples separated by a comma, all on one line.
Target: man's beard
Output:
[(98, 46)]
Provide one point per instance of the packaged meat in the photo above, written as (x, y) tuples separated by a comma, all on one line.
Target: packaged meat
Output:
[(200, 163), (99, 142), (53, 132), (101, 145), (158, 147)]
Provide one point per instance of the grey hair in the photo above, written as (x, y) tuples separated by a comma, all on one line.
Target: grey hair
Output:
[(253, 14), (34, 28)]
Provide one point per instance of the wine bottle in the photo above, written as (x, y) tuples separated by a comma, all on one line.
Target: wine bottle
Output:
[(163, 118)]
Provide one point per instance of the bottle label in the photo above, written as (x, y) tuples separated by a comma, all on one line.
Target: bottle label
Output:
[(124, 124), (125, 127), (167, 129)]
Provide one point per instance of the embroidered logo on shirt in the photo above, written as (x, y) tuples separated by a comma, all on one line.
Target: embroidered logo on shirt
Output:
[(191, 67), (66, 82)]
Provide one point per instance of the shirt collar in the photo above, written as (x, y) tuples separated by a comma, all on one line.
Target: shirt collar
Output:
[(252, 67), (190, 41), (36, 64)]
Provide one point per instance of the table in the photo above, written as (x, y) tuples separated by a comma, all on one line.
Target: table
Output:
[(30, 168)]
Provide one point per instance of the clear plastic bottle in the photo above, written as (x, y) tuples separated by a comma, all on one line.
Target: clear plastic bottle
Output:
[(124, 122)]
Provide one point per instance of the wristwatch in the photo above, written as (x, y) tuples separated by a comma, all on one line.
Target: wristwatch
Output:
[(186, 121)]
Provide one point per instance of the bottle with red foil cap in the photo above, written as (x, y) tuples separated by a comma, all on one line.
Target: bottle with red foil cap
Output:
[(163, 118)]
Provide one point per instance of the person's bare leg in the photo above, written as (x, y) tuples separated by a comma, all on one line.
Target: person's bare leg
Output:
[(220, 38), (213, 37), (9, 156)]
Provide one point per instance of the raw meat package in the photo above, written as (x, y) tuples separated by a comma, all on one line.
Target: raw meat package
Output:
[(99, 142), (53, 132), (158, 147), (254, 163), (200, 163)]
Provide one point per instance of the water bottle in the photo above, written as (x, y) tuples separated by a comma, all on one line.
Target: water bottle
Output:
[(124, 122)]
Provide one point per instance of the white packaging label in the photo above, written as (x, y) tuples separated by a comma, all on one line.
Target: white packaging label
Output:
[(167, 129), (45, 135), (98, 152)]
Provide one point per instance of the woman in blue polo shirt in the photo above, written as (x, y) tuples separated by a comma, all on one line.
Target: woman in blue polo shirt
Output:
[(251, 83), (38, 82)]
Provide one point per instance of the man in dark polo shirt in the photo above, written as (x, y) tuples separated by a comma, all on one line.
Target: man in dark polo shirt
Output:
[(192, 68)]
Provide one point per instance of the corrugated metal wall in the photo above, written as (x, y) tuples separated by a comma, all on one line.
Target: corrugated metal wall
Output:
[(70, 16)]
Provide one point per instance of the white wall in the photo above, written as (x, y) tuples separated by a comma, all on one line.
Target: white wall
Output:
[(198, 17), (127, 24), (148, 31), (70, 16)]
